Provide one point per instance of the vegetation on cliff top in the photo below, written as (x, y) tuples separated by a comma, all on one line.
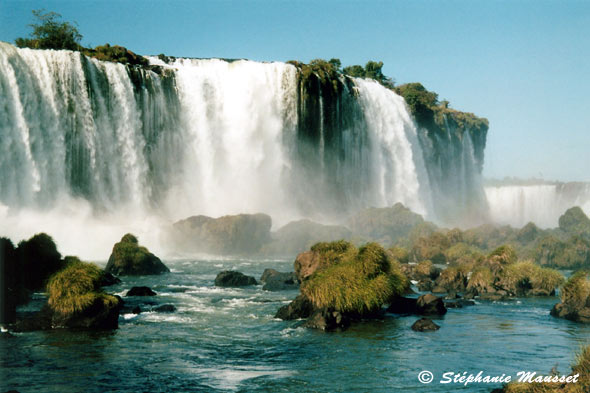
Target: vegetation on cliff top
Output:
[(432, 114), (354, 280), (50, 32)]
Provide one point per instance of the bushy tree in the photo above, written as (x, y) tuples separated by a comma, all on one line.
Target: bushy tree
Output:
[(51, 33)]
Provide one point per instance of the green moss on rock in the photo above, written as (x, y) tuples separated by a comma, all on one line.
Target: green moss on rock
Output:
[(129, 258)]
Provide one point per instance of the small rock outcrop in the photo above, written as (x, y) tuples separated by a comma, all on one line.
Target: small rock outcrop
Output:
[(327, 320), (107, 279), (76, 299), (424, 305), (430, 305), (425, 325), (167, 308), (575, 299), (141, 291), (229, 279), (341, 284), (299, 308), (306, 264), (277, 281), (130, 259)]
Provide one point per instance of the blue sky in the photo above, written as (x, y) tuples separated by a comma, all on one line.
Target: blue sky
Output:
[(525, 65)]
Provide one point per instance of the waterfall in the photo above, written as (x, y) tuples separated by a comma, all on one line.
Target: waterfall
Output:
[(90, 149), (516, 205)]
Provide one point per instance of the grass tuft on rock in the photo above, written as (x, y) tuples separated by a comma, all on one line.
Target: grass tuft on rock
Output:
[(581, 367), (354, 281), (522, 276), (576, 290), (76, 287)]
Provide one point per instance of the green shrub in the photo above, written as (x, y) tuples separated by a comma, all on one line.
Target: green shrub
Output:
[(481, 280), (424, 268), (461, 253), (354, 282), (39, 259), (51, 33), (400, 254)]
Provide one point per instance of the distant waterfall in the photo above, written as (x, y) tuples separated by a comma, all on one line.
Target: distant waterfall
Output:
[(203, 137), (542, 204)]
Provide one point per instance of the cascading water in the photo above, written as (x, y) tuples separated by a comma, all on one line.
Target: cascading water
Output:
[(542, 204), (91, 149)]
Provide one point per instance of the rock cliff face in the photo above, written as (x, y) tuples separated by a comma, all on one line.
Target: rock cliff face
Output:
[(215, 137)]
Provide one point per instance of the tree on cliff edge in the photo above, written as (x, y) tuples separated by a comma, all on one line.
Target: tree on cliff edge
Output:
[(51, 33)]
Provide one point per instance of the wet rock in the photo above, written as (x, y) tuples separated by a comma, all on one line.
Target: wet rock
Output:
[(459, 303), (430, 305), (141, 291), (99, 315), (425, 285), (493, 296), (452, 295), (403, 305), (231, 279), (425, 325), (136, 310), (165, 308), (277, 281), (562, 310), (108, 279), (299, 308), (327, 320)]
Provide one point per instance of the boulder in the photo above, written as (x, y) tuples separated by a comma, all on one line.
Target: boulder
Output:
[(425, 305), (425, 285), (425, 325), (277, 281), (243, 234), (561, 310), (430, 305), (403, 305), (299, 308), (108, 279), (100, 314), (494, 296), (130, 259), (76, 299), (327, 320), (141, 291), (165, 308), (459, 303), (230, 278), (306, 264)]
